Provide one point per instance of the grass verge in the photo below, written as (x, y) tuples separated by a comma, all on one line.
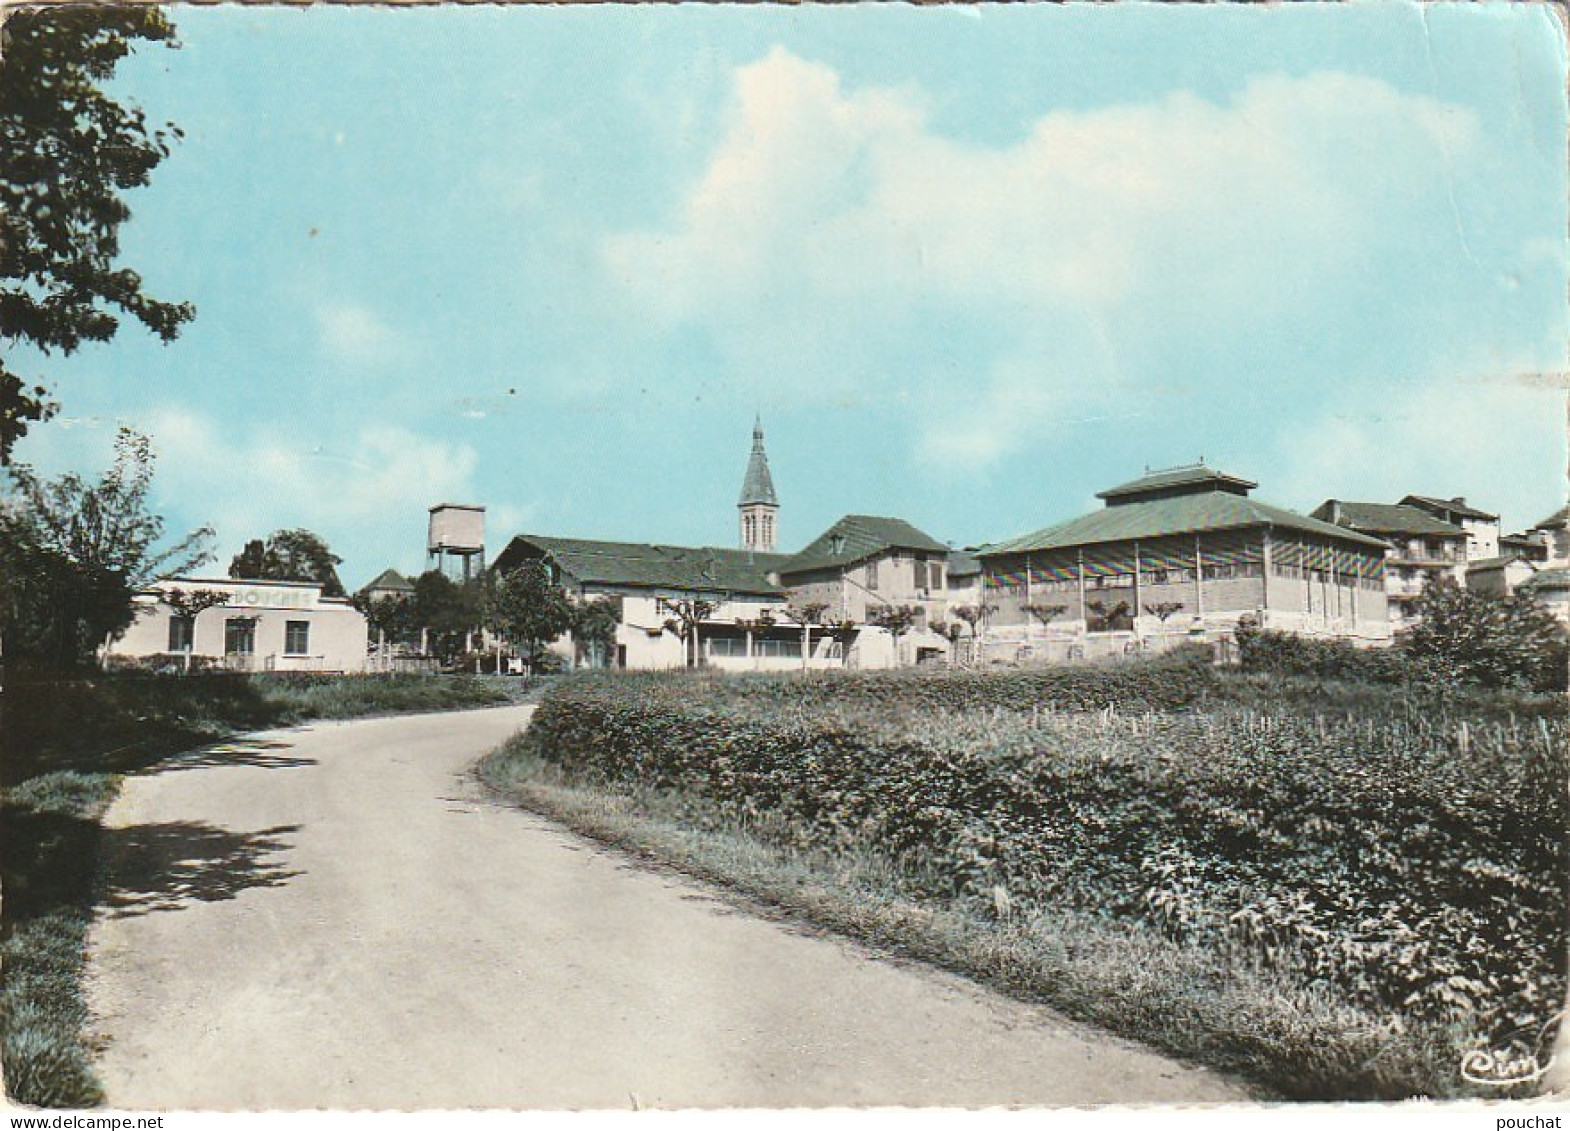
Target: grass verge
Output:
[(1291, 1039), (66, 746)]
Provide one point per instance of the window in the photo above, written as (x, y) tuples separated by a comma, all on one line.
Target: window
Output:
[(872, 574), (297, 638), (240, 636), (182, 633)]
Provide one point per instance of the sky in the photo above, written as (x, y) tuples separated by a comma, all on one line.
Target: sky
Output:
[(971, 265)]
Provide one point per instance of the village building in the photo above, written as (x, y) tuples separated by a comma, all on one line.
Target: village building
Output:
[(866, 565), (724, 600), (1551, 588), (1178, 554), (1529, 545), (274, 626), (1499, 576), (388, 584), (1418, 548), (1482, 528), (1554, 532), (964, 579)]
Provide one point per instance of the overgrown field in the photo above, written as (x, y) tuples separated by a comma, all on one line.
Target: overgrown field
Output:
[(63, 747), (1397, 866)]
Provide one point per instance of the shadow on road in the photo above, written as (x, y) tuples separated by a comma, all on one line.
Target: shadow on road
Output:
[(166, 867), (253, 752)]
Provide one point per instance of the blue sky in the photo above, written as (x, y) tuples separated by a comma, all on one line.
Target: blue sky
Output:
[(972, 265)]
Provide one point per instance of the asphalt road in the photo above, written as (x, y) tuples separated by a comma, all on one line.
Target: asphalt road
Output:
[(335, 917)]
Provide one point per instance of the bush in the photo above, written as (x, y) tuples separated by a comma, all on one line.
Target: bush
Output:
[(1287, 653), (1417, 866)]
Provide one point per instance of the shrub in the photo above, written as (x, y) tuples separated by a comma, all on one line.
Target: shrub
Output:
[(1416, 865)]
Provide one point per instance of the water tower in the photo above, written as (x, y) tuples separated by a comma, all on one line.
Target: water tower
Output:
[(456, 540)]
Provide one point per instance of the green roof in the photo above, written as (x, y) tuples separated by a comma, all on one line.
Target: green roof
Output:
[(1189, 479), (643, 565), (1182, 514), (859, 536), (1386, 518), (758, 485)]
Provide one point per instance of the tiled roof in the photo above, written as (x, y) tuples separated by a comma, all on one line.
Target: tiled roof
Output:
[(1485, 565), (962, 564), (642, 565), (1196, 476), (389, 579), (758, 485), (1548, 579), (1386, 518), (858, 536), (1183, 514), (1555, 521), (1447, 506)]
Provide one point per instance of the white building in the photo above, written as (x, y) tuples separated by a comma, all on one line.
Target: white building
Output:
[(285, 626)]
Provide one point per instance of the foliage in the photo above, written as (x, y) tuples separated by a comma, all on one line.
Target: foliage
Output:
[(1470, 637), (1288, 653), (290, 555), (1162, 610), (806, 612), (447, 612), (976, 616), (1045, 614), (1462, 638), (594, 623), (1109, 618), (393, 617), (194, 602), (68, 155), (685, 615), (527, 608), (75, 554), (1391, 861)]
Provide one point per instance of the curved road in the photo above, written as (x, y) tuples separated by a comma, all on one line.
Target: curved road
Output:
[(335, 917)]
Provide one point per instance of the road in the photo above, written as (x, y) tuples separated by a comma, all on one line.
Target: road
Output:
[(334, 916)]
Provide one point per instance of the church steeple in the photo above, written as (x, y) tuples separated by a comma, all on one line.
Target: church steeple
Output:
[(758, 504)]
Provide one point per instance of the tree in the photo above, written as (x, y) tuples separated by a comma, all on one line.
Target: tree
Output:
[(290, 555), (392, 615), (686, 614), (1044, 615), (896, 620), (975, 616), (76, 554), (68, 153), (806, 614), (1109, 618), (445, 613), (526, 607), (1162, 610), (594, 623), (1470, 637), (843, 632)]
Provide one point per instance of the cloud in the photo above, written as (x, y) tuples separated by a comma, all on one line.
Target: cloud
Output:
[(1482, 439), (357, 335), (365, 492), (837, 245)]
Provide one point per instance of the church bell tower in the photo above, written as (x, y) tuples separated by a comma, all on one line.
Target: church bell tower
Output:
[(759, 505)]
